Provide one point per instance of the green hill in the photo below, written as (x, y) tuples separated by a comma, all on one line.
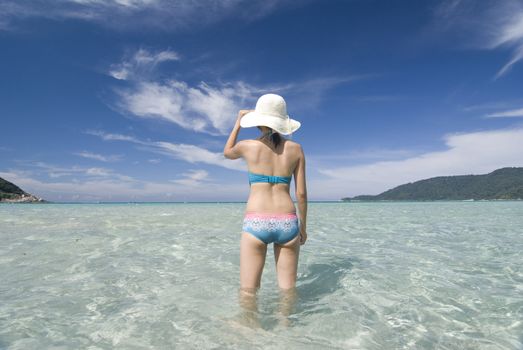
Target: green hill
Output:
[(505, 183), (9, 192)]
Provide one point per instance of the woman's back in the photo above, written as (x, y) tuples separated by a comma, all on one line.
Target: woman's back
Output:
[(265, 159)]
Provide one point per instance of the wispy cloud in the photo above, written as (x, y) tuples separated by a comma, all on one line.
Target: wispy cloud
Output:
[(140, 63), (125, 189), (134, 15), (510, 113), (307, 95), (516, 57), (488, 24), (95, 156), (378, 98), (185, 152), (368, 154), (54, 171), (488, 106), (466, 153), (193, 178), (196, 154), (112, 137)]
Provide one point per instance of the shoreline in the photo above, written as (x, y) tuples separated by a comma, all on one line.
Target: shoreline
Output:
[(244, 202), (24, 199)]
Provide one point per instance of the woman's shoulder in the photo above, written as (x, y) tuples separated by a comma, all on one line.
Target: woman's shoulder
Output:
[(292, 144), (251, 142)]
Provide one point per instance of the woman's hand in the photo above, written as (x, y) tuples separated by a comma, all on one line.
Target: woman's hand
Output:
[(243, 112), (303, 237)]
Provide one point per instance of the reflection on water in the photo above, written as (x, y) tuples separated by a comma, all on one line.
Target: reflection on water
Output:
[(371, 276)]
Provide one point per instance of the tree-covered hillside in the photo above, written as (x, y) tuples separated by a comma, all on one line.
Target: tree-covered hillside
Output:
[(9, 192), (505, 183), (9, 189)]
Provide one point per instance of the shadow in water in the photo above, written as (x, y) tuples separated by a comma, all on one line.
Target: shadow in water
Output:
[(323, 279), (320, 280)]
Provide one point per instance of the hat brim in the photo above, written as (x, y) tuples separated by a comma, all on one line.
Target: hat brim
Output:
[(283, 126)]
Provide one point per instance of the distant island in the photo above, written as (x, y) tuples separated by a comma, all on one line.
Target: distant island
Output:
[(501, 184), (11, 193)]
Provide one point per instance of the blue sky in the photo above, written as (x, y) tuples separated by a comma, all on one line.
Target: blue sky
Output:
[(133, 99)]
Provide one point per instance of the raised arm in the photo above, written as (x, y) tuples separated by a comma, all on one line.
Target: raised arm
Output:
[(301, 195), (233, 150)]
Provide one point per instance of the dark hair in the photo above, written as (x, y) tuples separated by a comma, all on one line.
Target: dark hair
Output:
[(273, 137)]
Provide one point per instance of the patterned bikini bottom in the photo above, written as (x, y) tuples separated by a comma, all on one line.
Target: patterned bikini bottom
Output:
[(271, 227)]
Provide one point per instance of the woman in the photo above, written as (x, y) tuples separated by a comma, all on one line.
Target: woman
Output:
[(270, 215)]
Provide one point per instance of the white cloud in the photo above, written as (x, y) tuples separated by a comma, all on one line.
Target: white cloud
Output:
[(487, 24), (203, 108), (510, 113), (123, 3), (488, 106), (95, 156), (140, 63), (186, 152), (518, 55), (98, 172), (219, 105), (193, 178), (196, 154), (112, 137), (512, 30), (137, 15), (467, 153), (367, 154), (54, 171)]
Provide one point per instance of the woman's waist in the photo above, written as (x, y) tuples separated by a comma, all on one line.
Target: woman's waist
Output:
[(263, 214), (278, 192), (270, 197), (260, 204)]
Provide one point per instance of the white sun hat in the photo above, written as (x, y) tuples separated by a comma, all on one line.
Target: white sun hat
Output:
[(271, 111)]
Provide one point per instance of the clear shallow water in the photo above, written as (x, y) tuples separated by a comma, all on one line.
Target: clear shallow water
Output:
[(443, 275)]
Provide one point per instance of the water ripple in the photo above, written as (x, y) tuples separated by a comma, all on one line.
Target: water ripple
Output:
[(372, 276)]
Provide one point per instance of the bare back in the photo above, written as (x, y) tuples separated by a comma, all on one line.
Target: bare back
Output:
[(262, 158)]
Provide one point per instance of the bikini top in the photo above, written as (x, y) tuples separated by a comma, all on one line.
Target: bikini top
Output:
[(268, 178)]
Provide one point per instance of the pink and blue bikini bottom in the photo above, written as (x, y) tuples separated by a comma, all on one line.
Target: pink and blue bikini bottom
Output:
[(271, 227)]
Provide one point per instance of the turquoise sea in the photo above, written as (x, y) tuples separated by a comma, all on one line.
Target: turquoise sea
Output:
[(431, 275)]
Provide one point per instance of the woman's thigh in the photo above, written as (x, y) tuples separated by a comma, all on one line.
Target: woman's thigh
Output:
[(286, 256), (252, 260)]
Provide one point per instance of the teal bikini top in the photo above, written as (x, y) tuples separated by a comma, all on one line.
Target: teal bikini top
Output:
[(268, 178)]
